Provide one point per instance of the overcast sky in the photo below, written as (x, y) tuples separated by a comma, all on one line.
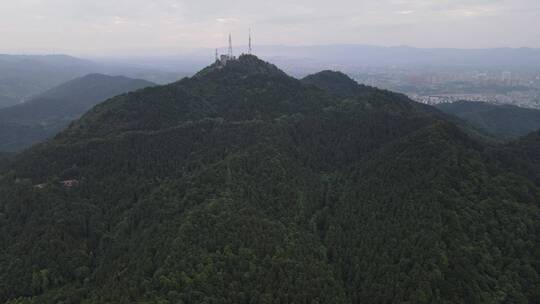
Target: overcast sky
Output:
[(107, 27)]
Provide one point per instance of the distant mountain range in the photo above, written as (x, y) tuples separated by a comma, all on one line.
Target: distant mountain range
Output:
[(300, 60), (46, 114), (502, 121), (366, 55), (24, 76)]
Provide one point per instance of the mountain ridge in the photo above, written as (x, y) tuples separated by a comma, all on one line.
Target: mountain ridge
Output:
[(504, 121), (265, 189), (48, 113)]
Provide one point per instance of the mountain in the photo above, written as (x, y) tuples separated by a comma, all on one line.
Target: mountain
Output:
[(521, 156), (22, 77), (342, 86), (302, 60), (503, 121), (335, 83), (244, 185), (45, 115)]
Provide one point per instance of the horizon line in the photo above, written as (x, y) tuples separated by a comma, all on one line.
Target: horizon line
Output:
[(187, 51)]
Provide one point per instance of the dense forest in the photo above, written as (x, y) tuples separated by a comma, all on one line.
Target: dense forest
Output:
[(505, 122), (244, 185)]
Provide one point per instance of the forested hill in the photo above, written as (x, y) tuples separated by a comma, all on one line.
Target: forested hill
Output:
[(246, 90), (22, 76), (244, 185), (336, 83), (522, 156), (504, 121), (71, 99), (48, 113)]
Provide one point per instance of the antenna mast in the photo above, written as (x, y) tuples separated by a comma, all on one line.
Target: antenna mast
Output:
[(217, 55), (249, 49), (230, 47)]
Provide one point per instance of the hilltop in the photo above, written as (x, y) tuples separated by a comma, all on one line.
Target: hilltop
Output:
[(244, 185)]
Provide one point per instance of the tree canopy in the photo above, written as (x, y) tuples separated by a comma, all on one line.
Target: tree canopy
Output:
[(244, 185)]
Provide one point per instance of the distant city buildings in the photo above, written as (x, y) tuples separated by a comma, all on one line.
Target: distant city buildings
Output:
[(526, 99), (444, 85)]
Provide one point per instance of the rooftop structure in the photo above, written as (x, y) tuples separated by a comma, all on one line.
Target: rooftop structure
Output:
[(70, 183), (224, 58)]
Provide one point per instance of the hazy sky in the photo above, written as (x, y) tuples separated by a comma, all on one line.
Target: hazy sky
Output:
[(100, 27)]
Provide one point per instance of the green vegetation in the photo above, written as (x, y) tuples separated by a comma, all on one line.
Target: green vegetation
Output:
[(47, 114), (243, 185), (5, 159), (336, 83), (503, 121), (24, 76)]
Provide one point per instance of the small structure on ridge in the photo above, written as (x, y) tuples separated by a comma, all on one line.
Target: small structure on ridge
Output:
[(224, 58)]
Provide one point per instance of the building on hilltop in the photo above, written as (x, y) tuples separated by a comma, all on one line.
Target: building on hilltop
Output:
[(225, 58), (70, 183)]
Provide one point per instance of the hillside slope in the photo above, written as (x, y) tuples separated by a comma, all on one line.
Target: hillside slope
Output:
[(244, 185), (22, 76), (45, 115), (503, 121)]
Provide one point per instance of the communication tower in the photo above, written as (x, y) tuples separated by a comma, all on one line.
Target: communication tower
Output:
[(231, 56), (249, 47)]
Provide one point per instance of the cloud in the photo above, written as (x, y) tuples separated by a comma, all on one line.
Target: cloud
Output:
[(119, 20), (407, 12), (228, 20), (128, 25)]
